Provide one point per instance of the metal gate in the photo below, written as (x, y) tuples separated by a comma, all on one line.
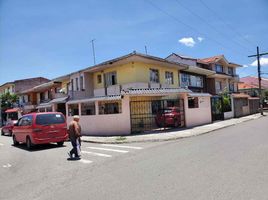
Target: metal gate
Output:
[(153, 115), (216, 108)]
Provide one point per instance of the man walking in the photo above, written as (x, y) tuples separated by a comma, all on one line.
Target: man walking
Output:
[(74, 135)]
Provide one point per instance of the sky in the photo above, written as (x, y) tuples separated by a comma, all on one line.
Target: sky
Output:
[(51, 38)]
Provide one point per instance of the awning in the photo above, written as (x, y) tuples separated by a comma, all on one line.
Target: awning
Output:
[(148, 91), (12, 110), (104, 98), (59, 100), (199, 95), (44, 105)]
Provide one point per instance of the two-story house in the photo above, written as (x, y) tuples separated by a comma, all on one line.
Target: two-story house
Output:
[(50, 96), (125, 94)]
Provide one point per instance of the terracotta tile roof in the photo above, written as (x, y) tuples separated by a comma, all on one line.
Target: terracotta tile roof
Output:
[(211, 59), (254, 81)]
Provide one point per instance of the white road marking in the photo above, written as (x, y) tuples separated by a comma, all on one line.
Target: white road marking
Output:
[(7, 166), (96, 154), (104, 149), (121, 146), (85, 161), (1, 144)]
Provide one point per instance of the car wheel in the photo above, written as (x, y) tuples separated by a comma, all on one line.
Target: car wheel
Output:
[(29, 144), (60, 144), (15, 142)]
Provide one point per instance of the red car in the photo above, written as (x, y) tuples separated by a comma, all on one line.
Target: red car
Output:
[(40, 128), (168, 117), (7, 129)]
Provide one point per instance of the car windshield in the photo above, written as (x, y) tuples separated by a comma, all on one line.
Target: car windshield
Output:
[(48, 119)]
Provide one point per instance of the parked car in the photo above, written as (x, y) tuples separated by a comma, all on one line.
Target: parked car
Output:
[(8, 128), (170, 116), (40, 128)]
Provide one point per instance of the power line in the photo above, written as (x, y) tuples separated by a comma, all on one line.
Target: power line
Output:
[(228, 25), (190, 27), (210, 25)]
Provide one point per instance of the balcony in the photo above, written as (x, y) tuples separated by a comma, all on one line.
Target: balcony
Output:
[(60, 95), (75, 95)]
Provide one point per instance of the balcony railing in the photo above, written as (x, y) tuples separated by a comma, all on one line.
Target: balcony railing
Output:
[(77, 95)]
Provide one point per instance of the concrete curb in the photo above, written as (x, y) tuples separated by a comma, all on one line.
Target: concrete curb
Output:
[(168, 136)]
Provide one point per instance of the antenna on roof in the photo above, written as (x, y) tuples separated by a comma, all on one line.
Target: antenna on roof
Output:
[(93, 50), (145, 49)]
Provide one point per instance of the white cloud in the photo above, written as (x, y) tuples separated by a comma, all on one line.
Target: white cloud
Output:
[(263, 61), (200, 39), (189, 42)]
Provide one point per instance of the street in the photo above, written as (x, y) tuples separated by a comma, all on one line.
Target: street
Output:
[(230, 163)]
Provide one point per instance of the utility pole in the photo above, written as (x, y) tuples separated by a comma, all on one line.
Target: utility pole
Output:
[(93, 50), (145, 49), (258, 55)]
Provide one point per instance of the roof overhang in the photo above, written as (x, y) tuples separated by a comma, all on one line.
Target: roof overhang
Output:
[(199, 70), (44, 105), (199, 95), (104, 98), (240, 95), (42, 87), (154, 91), (216, 75), (59, 100)]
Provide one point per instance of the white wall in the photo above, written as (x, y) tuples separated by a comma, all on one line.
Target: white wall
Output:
[(229, 115), (104, 125), (200, 115)]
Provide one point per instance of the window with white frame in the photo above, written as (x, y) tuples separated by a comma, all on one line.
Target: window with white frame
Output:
[(111, 78), (218, 86), (154, 75), (169, 78), (88, 108), (191, 80)]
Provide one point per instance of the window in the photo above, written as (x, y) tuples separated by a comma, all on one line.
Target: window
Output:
[(231, 87), (48, 119), (191, 80), (169, 78), (219, 68), (109, 108), (82, 83), (154, 76), (218, 86), (88, 108), (230, 71), (99, 78), (72, 85), (76, 84), (25, 121), (192, 102), (73, 109), (111, 78)]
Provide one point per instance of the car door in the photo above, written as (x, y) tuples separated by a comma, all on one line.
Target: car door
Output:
[(24, 128)]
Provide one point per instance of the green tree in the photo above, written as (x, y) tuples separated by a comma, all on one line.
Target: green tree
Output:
[(8, 100), (226, 104)]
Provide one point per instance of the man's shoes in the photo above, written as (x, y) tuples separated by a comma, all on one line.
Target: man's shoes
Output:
[(69, 154)]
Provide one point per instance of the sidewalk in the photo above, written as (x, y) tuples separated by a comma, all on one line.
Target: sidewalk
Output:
[(170, 135)]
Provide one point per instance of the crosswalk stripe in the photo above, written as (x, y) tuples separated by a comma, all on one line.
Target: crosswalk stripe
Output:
[(96, 154), (121, 146), (105, 149), (85, 161)]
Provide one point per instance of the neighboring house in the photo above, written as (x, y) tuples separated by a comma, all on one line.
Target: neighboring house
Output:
[(125, 94), (8, 87), (250, 85), (194, 77), (225, 77), (50, 96), (16, 87)]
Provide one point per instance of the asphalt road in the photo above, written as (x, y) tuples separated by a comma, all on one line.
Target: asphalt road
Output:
[(230, 163)]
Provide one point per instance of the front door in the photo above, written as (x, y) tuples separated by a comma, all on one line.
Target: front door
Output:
[(216, 108)]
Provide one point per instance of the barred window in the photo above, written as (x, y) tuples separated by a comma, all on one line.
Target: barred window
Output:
[(193, 102), (113, 107), (169, 78), (88, 108), (154, 75)]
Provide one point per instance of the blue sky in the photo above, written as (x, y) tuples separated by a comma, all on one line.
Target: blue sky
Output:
[(52, 38)]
